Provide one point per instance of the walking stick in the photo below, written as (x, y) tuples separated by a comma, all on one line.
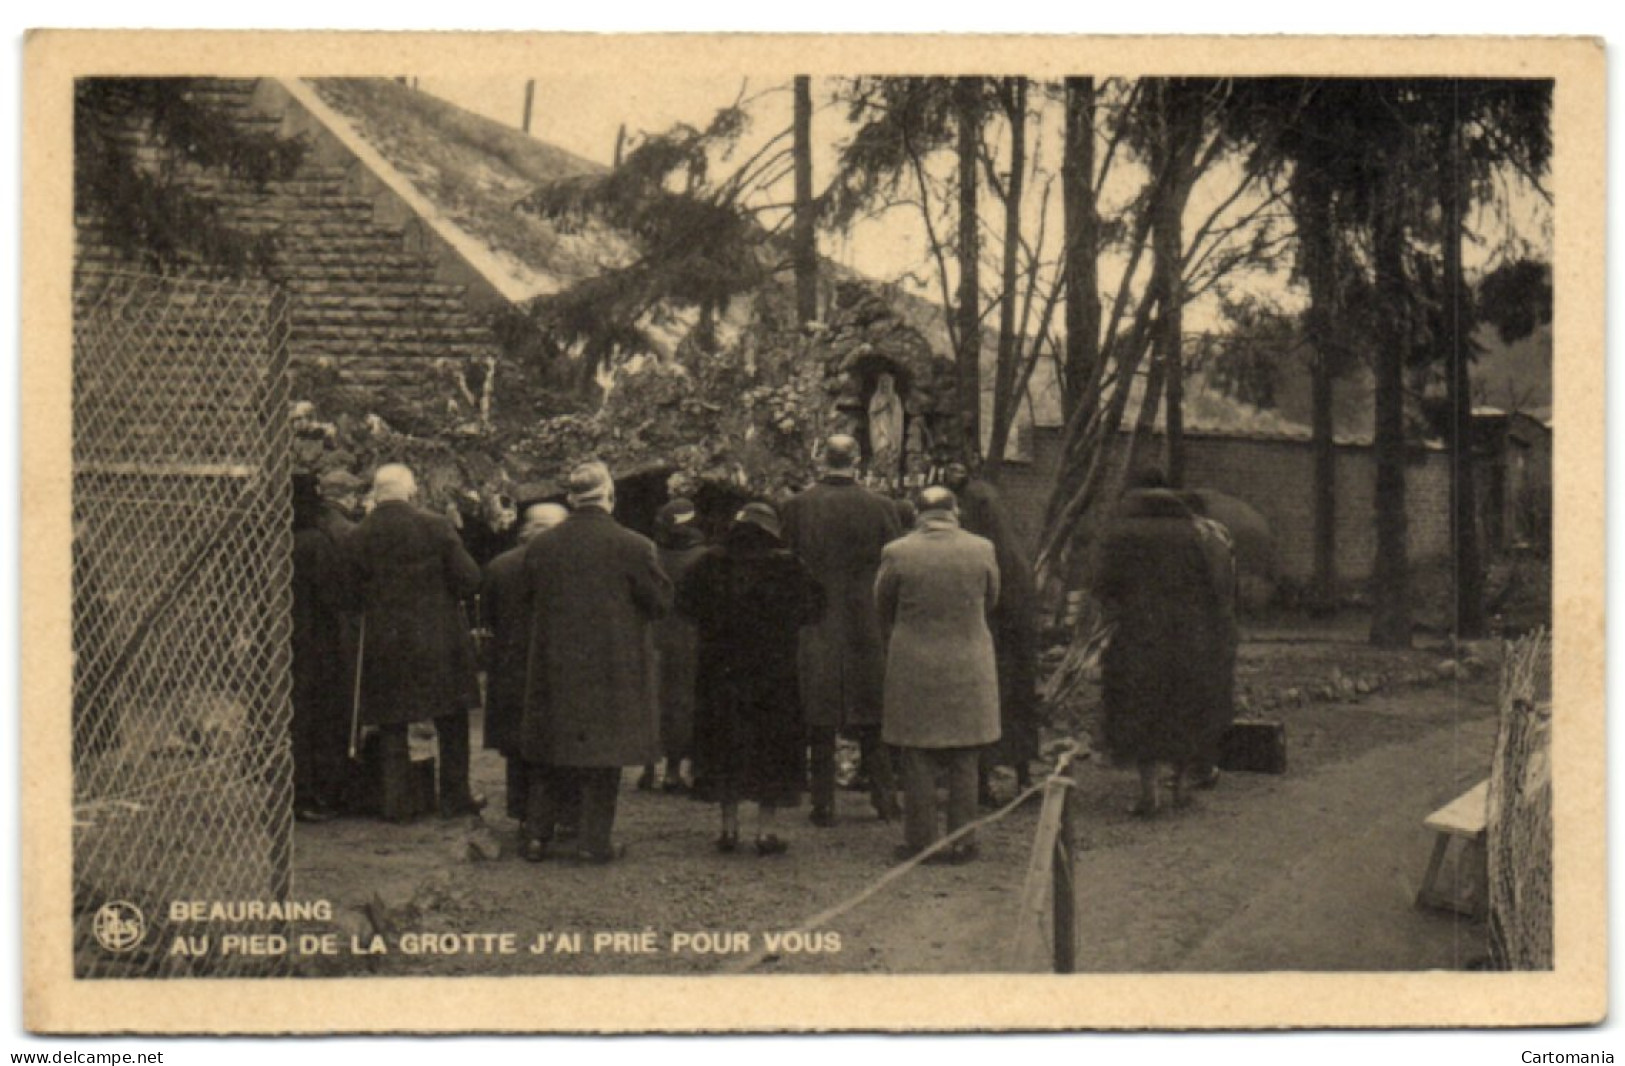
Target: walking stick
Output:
[(355, 701)]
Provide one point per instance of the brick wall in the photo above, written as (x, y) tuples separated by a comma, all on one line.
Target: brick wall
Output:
[(364, 295), (1275, 476)]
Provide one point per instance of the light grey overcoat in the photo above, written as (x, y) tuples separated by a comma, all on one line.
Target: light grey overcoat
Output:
[(934, 590)]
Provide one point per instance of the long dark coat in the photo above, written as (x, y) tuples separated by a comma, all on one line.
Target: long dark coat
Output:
[(506, 614), (934, 592), (677, 645), (321, 673), (408, 573), (1014, 620), (749, 599), (838, 529), (592, 588), (1164, 671)]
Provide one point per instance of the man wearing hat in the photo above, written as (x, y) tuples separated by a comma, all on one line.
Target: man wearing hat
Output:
[(592, 589), (838, 528), (407, 570), (505, 613), (934, 591)]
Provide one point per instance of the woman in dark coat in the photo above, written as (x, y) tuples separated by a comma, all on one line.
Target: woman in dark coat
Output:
[(1165, 664), (321, 695), (678, 543), (749, 599)]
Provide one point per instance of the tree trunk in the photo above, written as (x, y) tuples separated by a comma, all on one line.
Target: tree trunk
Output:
[(1313, 200), (1167, 239), (968, 360), (1182, 108), (1469, 569), (1390, 620), (805, 238), (1005, 373), (1082, 249)]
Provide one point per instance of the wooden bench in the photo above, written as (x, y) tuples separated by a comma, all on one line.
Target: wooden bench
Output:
[(1463, 817)]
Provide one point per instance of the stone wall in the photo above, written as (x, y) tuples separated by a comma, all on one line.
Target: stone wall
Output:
[(1276, 476)]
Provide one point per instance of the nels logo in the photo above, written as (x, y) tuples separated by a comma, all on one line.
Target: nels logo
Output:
[(119, 926)]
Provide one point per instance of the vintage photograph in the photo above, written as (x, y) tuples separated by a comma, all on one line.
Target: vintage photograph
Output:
[(745, 519)]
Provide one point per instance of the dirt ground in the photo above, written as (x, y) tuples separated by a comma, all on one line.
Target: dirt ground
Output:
[(1315, 869)]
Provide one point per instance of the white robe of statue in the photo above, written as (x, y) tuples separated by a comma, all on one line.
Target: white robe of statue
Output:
[(885, 429)]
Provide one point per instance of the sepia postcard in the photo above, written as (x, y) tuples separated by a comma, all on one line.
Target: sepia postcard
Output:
[(660, 533)]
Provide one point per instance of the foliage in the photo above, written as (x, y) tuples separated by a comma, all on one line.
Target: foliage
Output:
[(699, 243), (1516, 298), (1244, 359), (135, 196)]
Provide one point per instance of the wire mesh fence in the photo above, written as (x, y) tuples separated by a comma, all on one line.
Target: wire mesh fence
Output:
[(1520, 811), (181, 600)]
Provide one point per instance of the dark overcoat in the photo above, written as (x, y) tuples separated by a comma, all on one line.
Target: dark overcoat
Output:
[(319, 673), (592, 588), (749, 599), (838, 529), (407, 572), (321, 677), (676, 644), (1014, 620), (1164, 670), (506, 613), (934, 592)]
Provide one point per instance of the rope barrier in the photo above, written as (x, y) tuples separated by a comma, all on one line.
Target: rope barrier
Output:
[(1059, 777)]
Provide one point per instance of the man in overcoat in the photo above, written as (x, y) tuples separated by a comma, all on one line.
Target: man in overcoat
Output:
[(934, 592), (838, 529), (1014, 624), (408, 574), (506, 615), (593, 588)]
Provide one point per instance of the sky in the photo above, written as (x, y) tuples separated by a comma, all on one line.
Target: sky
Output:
[(585, 116)]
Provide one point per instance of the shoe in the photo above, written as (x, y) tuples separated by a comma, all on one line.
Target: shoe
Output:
[(533, 850), (472, 804), (1208, 781), (822, 817), (728, 843), (888, 811), (312, 814), (674, 785), (601, 858), (646, 780), (961, 854), (906, 852), (771, 845)]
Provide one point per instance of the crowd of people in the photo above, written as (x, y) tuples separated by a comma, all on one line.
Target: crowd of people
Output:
[(744, 656)]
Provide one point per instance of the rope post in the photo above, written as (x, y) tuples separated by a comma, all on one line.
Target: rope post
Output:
[(1063, 891), (1027, 944)]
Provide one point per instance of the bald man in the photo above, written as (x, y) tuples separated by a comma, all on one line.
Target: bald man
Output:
[(838, 528), (934, 592), (506, 616), (407, 573)]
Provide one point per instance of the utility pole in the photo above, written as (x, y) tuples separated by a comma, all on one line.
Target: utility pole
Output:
[(530, 97)]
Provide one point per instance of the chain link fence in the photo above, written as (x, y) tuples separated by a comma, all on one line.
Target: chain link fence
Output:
[(1520, 810), (182, 548)]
